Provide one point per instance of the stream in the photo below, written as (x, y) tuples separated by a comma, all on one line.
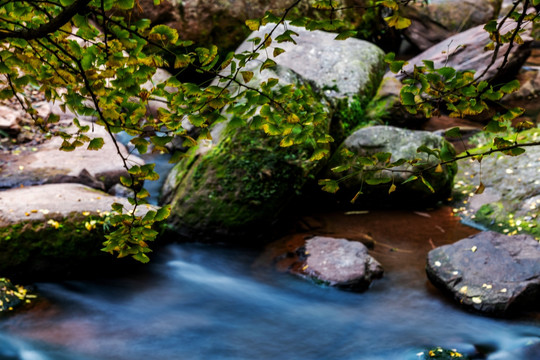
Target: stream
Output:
[(195, 301)]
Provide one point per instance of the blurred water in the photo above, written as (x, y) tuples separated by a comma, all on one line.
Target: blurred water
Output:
[(203, 302)]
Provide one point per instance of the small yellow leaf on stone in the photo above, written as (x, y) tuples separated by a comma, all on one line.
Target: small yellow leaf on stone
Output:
[(86, 213), (305, 267), (438, 263), (474, 248), (463, 290), (27, 213), (33, 211), (504, 290), (476, 300), (21, 167), (487, 286)]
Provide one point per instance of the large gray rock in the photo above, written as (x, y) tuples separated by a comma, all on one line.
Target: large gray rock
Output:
[(50, 230), (402, 144), (340, 262), (45, 163), (511, 197), (489, 272), (340, 69), (437, 20), (465, 51)]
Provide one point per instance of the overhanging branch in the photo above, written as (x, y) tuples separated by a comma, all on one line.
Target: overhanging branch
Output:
[(56, 23)]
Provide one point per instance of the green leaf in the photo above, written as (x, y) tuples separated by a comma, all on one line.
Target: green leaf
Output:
[(163, 213), (427, 184), (247, 76), (124, 4), (407, 98), (329, 185), (268, 63), (491, 26), (411, 178), (278, 51), (453, 133), (377, 181), (96, 144), (397, 21), (510, 87), (515, 151), (346, 34), (253, 25), (495, 127)]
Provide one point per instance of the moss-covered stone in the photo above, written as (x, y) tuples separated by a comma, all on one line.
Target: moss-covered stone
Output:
[(33, 249), (239, 187)]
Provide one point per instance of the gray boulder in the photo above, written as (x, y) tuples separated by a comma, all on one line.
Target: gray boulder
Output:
[(402, 144), (489, 272), (340, 262), (11, 296), (437, 20), (339, 69)]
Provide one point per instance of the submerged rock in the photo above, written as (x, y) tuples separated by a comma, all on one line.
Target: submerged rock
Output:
[(50, 230), (489, 272), (402, 144), (340, 262)]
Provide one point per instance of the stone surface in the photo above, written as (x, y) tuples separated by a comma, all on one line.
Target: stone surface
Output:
[(511, 198), (45, 163), (50, 230), (402, 144), (437, 20), (8, 119), (340, 262), (489, 272), (340, 69), (465, 51)]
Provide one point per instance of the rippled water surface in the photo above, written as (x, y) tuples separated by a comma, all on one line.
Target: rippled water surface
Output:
[(209, 302)]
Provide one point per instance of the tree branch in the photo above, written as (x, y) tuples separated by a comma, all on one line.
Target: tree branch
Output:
[(55, 24)]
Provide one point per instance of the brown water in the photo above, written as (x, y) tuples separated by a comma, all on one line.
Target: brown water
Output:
[(209, 302)]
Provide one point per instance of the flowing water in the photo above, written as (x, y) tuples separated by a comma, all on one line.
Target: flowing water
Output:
[(197, 301)]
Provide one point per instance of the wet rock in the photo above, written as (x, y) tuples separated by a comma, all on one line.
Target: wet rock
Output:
[(51, 230), (340, 262), (436, 21), (511, 198), (45, 163), (489, 272), (402, 144)]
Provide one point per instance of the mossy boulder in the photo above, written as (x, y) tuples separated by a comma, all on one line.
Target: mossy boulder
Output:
[(510, 200), (402, 144), (238, 188), (51, 231)]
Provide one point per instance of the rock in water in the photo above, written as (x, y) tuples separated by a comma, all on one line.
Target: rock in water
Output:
[(489, 272), (341, 263)]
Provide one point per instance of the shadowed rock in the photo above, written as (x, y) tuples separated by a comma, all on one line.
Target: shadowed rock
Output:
[(489, 272)]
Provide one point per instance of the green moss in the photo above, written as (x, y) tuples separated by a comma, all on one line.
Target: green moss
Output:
[(55, 239), (494, 217)]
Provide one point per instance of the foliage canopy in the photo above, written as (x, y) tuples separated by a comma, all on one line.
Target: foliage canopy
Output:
[(83, 55)]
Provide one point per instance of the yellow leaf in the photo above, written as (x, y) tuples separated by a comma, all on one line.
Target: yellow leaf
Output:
[(392, 189), (439, 169), (480, 189)]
